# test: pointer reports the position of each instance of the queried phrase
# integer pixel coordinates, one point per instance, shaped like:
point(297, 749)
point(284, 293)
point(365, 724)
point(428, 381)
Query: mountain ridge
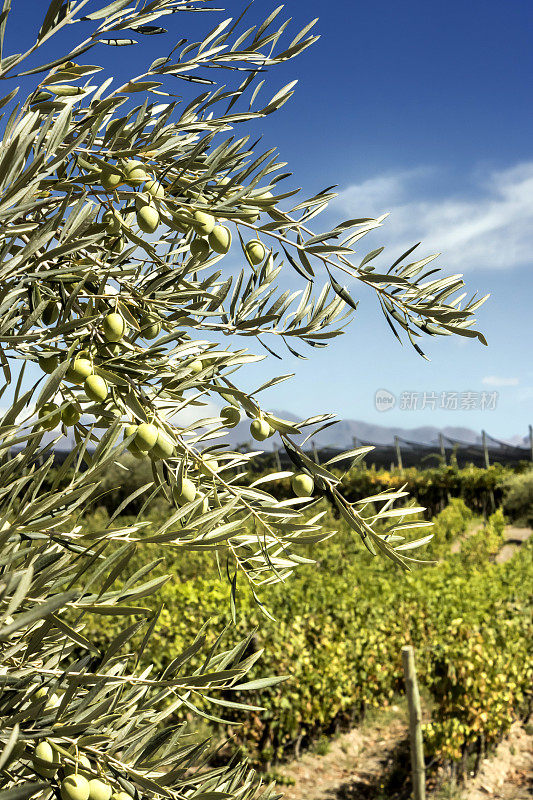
point(341, 434)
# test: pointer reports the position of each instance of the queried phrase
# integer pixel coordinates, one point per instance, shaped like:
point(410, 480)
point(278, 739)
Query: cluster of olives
point(147, 213)
point(302, 483)
point(77, 781)
point(50, 701)
point(80, 372)
point(50, 415)
point(149, 439)
point(210, 235)
point(259, 428)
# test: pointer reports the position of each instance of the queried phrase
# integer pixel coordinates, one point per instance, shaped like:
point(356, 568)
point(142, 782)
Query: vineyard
point(338, 628)
point(433, 488)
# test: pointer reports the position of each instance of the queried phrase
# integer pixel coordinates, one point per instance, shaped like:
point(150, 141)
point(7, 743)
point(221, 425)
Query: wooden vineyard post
point(398, 453)
point(487, 465)
point(418, 767)
point(442, 450)
point(485, 449)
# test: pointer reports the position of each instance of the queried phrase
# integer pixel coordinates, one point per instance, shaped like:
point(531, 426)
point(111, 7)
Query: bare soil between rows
point(372, 763)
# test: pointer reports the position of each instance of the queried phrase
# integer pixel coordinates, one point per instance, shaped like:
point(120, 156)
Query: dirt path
point(354, 763)
point(363, 764)
point(508, 773)
point(514, 538)
point(475, 528)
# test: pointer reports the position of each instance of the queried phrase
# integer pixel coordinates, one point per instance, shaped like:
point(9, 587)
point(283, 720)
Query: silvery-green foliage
point(81, 237)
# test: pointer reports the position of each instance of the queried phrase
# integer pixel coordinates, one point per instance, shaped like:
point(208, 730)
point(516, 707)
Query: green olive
point(187, 492)
point(98, 790)
point(110, 180)
point(164, 447)
point(208, 466)
point(45, 760)
point(150, 328)
point(302, 484)
point(256, 251)
point(134, 172)
point(203, 223)
point(114, 327)
point(96, 388)
point(79, 370)
point(200, 248)
point(196, 366)
point(131, 430)
point(52, 421)
point(75, 787)
point(148, 218)
point(249, 215)
point(230, 416)
point(146, 436)
point(155, 188)
point(112, 222)
point(220, 239)
point(260, 430)
point(70, 414)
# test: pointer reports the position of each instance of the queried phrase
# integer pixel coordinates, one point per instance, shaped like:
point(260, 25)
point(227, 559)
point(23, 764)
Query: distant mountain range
point(341, 435)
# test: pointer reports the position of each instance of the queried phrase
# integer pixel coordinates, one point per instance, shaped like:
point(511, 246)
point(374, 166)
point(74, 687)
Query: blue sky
point(422, 109)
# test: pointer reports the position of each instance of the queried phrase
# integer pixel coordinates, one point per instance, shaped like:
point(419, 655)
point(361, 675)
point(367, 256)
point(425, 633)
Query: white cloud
point(491, 228)
point(495, 380)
